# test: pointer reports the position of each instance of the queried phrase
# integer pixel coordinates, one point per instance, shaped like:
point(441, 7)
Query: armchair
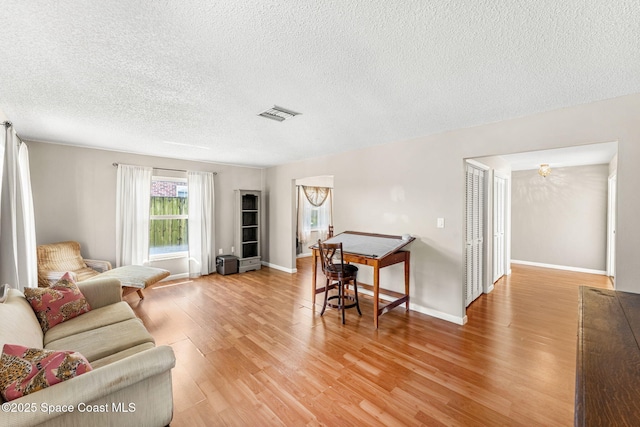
point(57, 258)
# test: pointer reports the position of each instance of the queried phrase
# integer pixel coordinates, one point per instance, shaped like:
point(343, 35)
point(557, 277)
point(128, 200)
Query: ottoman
point(136, 276)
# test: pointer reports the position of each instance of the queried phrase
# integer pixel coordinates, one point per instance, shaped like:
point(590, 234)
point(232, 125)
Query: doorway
point(313, 201)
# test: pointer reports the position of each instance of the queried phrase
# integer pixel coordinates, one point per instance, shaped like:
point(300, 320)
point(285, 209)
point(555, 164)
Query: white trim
point(175, 277)
point(168, 256)
point(438, 314)
point(169, 216)
point(278, 267)
point(477, 164)
point(420, 309)
point(560, 267)
point(304, 255)
point(612, 183)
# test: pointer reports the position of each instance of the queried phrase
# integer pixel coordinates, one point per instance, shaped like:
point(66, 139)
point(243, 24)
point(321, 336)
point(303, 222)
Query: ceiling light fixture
point(278, 113)
point(544, 170)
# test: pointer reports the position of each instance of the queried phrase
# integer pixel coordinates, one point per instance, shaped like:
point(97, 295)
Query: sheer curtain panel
point(304, 217)
point(18, 264)
point(315, 212)
point(200, 224)
point(132, 215)
point(325, 216)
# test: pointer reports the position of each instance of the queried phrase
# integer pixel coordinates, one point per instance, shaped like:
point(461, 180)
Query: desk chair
point(339, 275)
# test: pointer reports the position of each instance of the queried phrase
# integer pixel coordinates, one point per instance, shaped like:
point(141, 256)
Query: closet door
point(474, 233)
point(611, 228)
point(499, 244)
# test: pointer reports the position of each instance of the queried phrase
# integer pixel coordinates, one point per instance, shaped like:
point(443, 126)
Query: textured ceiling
point(186, 79)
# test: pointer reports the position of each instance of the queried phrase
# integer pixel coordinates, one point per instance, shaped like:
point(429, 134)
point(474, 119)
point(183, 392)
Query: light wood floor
point(252, 351)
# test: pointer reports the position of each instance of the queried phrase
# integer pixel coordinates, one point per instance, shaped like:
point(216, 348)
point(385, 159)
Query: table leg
point(407, 266)
point(376, 289)
point(314, 270)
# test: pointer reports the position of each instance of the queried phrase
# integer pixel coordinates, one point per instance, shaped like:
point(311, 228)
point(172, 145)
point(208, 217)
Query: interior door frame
point(612, 195)
point(494, 214)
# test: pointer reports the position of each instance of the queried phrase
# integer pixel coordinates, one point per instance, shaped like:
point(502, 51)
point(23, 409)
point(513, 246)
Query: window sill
point(164, 257)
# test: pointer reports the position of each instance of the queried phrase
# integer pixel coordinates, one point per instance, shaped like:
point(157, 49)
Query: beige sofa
point(130, 384)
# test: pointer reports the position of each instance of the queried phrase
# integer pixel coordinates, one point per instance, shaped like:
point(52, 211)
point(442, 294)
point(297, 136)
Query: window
point(314, 218)
point(169, 216)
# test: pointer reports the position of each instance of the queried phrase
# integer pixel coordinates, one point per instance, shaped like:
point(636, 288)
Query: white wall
point(403, 187)
point(561, 219)
point(74, 192)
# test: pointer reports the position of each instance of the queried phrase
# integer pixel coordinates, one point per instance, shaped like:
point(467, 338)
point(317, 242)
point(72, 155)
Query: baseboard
point(278, 267)
point(560, 267)
point(304, 255)
point(176, 277)
point(420, 309)
point(438, 314)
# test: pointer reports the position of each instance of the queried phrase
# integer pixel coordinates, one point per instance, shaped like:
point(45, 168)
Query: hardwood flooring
point(252, 351)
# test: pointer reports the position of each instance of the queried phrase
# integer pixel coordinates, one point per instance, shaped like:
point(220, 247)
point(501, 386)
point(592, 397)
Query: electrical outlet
point(220, 251)
point(233, 250)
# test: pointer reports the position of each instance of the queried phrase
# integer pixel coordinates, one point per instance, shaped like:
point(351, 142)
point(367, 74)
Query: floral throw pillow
point(60, 302)
point(26, 370)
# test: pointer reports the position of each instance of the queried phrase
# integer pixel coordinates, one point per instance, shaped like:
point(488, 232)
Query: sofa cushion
point(121, 355)
point(94, 319)
point(105, 341)
point(18, 322)
point(60, 302)
point(26, 370)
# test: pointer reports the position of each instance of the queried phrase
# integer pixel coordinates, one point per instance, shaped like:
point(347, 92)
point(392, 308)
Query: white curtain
point(18, 262)
point(325, 216)
point(304, 217)
point(310, 199)
point(201, 224)
point(133, 198)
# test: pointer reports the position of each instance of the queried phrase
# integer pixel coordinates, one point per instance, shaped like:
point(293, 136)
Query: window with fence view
point(169, 214)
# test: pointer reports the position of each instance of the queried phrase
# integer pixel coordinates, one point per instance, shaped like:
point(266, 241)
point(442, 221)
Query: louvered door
point(474, 233)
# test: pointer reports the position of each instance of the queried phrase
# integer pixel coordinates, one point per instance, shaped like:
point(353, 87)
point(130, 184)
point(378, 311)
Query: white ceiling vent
point(278, 113)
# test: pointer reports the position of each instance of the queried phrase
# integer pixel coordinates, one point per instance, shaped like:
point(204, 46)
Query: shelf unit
point(247, 230)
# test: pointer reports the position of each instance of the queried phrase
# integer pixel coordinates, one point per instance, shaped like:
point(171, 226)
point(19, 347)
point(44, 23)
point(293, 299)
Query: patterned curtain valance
point(316, 195)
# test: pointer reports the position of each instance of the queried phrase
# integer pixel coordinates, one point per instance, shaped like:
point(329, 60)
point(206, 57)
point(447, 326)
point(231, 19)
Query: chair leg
point(326, 295)
point(355, 291)
point(140, 294)
point(341, 298)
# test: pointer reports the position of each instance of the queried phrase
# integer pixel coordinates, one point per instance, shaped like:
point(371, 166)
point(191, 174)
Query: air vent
point(278, 113)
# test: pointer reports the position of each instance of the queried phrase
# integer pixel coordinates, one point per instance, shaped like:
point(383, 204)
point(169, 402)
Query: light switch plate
point(440, 223)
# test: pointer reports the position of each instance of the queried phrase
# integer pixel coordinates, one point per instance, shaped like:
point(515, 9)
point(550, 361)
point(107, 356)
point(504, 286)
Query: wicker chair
point(55, 259)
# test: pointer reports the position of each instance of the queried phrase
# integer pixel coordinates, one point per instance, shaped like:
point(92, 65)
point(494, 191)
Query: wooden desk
point(607, 374)
point(377, 251)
